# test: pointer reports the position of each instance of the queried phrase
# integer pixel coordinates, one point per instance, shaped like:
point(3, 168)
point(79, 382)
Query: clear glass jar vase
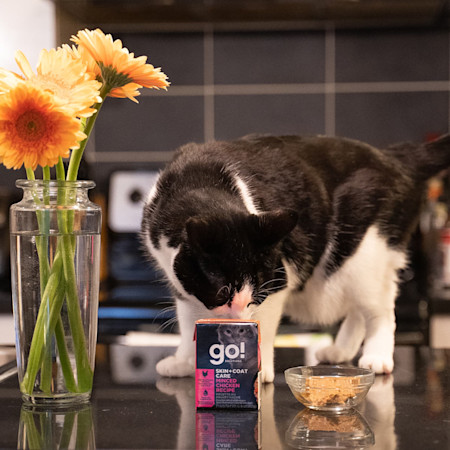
point(66, 427)
point(55, 263)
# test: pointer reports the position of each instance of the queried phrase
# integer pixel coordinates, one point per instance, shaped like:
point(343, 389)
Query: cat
point(315, 228)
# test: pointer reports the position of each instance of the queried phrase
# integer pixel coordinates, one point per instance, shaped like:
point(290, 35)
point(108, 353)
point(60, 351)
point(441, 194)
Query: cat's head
point(229, 263)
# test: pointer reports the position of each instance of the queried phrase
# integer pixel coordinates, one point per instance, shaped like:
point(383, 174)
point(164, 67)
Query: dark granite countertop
point(133, 408)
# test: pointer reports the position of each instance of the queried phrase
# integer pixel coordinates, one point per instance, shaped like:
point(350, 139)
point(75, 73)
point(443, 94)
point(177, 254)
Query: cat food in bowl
point(316, 429)
point(329, 388)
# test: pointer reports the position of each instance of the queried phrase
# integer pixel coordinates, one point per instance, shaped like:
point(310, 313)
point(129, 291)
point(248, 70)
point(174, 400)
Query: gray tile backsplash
point(392, 55)
point(390, 117)
point(283, 57)
point(380, 86)
point(158, 123)
point(179, 55)
point(238, 115)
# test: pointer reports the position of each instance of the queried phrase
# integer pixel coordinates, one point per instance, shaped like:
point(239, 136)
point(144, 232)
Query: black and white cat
point(315, 228)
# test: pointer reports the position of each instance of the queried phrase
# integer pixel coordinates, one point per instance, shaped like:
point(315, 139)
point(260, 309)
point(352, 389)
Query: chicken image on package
point(228, 364)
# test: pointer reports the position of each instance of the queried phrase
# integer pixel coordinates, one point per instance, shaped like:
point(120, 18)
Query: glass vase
point(55, 263)
point(44, 428)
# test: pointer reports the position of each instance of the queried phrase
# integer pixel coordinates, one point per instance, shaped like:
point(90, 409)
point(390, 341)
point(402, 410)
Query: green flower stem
point(56, 327)
point(84, 370)
point(84, 428)
point(44, 267)
point(47, 432)
point(30, 174)
point(66, 367)
point(67, 431)
point(46, 173)
point(65, 219)
point(49, 322)
point(42, 324)
point(34, 439)
point(46, 318)
point(60, 171)
point(46, 369)
point(77, 154)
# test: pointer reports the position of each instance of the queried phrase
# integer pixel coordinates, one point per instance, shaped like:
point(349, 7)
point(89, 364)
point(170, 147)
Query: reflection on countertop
point(56, 428)
point(132, 408)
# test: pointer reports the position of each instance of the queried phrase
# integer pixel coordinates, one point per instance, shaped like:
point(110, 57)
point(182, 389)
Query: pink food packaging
point(228, 364)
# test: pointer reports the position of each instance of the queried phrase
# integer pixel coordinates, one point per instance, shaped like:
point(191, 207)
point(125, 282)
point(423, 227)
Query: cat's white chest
point(363, 279)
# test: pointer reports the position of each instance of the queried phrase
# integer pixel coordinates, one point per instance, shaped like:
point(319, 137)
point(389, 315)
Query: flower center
point(30, 126)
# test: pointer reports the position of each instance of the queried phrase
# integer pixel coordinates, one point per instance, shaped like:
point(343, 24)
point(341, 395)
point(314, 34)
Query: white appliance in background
point(128, 191)
point(132, 280)
point(134, 357)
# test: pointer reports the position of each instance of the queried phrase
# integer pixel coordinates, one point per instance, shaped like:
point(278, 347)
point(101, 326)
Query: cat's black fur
point(313, 189)
point(312, 199)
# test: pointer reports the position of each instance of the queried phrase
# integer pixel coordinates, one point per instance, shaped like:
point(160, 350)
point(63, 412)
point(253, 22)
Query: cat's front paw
point(333, 354)
point(377, 362)
point(267, 374)
point(176, 367)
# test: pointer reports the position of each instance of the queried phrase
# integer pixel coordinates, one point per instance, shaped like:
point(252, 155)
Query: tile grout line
point(143, 156)
point(208, 84)
point(330, 75)
point(366, 87)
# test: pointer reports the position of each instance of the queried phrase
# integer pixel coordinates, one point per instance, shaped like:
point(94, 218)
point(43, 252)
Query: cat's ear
point(273, 226)
point(204, 235)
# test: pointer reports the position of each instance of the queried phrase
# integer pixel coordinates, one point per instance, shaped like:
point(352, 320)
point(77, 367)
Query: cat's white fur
point(361, 294)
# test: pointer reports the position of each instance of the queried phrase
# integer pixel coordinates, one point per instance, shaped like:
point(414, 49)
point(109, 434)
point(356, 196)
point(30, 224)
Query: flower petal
point(23, 64)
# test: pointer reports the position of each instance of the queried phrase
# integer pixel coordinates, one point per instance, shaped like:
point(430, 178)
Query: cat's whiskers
point(263, 293)
point(273, 280)
point(225, 287)
point(168, 323)
point(170, 308)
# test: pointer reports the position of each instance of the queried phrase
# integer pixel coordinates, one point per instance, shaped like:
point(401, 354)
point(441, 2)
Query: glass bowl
point(329, 388)
point(316, 429)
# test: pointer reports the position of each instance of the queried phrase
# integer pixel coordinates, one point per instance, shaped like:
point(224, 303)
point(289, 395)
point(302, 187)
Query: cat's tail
point(425, 160)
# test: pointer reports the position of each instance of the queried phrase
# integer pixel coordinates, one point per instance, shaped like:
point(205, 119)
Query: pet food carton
point(228, 364)
point(227, 429)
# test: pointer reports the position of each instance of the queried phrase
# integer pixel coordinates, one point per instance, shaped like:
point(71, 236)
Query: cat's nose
point(237, 307)
point(241, 300)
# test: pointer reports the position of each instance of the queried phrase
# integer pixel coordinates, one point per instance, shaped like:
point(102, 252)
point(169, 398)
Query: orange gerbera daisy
point(66, 78)
point(120, 70)
point(34, 130)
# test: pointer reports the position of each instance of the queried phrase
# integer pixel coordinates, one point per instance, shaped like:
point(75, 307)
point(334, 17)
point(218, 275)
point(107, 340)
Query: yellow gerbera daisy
point(66, 78)
point(8, 80)
point(34, 130)
point(82, 54)
point(120, 70)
